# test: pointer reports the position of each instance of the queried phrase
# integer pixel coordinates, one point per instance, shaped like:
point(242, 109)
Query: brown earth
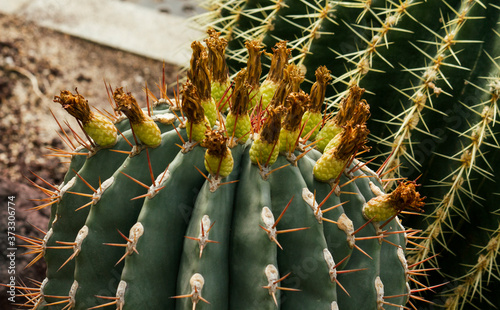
point(36, 64)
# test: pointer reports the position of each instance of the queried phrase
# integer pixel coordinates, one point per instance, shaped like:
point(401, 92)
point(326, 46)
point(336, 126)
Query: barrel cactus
point(223, 201)
point(431, 72)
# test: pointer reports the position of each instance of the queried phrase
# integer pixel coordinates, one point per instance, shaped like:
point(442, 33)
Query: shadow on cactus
point(224, 201)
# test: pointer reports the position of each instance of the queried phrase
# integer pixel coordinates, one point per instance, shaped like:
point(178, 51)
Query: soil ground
point(36, 64)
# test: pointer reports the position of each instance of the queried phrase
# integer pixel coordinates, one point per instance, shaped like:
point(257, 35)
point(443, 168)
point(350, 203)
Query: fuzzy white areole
point(46, 239)
point(379, 288)
point(102, 188)
point(159, 182)
point(72, 295)
point(268, 220)
point(65, 187)
point(345, 224)
point(309, 199)
point(120, 294)
point(204, 231)
point(332, 271)
point(334, 306)
point(197, 282)
point(165, 118)
point(272, 275)
point(136, 231)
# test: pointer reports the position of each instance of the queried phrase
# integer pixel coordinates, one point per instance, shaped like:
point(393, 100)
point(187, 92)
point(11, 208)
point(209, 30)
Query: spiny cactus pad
point(182, 214)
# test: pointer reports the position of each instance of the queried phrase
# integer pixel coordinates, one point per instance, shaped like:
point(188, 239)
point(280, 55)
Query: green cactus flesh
point(223, 235)
point(197, 221)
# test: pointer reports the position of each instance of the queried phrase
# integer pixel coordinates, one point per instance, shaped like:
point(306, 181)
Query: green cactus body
point(332, 211)
point(212, 262)
point(103, 221)
point(77, 161)
point(367, 293)
point(262, 230)
point(251, 253)
point(269, 231)
point(66, 217)
point(300, 249)
point(164, 226)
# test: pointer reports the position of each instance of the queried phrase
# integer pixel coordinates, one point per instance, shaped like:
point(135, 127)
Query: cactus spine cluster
point(190, 207)
point(431, 72)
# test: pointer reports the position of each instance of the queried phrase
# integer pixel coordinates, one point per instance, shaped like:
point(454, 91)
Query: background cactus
point(203, 208)
point(431, 74)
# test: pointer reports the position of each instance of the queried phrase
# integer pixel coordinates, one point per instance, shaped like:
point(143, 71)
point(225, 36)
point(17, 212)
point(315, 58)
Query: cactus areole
point(183, 210)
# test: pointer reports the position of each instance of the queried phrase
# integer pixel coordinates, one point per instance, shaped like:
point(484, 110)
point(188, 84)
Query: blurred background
point(51, 45)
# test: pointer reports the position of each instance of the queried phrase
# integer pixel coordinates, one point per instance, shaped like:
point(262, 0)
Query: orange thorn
point(86, 183)
point(284, 231)
point(64, 131)
point(283, 212)
point(362, 226)
point(276, 169)
point(84, 206)
point(126, 140)
point(136, 181)
point(207, 178)
point(357, 247)
point(335, 206)
point(328, 220)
